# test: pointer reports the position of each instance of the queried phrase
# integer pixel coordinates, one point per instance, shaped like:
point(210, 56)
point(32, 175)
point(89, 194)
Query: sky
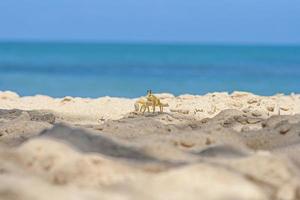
point(187, 21)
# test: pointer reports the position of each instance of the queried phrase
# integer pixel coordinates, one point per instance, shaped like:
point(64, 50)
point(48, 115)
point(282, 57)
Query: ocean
point(129, 70)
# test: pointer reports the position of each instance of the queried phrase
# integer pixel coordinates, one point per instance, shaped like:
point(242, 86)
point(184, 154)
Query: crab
point(150, 100)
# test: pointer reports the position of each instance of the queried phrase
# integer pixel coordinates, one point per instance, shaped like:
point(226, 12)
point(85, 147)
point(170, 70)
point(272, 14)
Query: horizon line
point(146, 42)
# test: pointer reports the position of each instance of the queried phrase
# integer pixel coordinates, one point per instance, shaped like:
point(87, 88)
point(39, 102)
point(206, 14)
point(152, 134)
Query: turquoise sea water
point(92, 70)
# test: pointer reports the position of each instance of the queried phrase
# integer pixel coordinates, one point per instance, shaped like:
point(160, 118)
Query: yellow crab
point(150, 100)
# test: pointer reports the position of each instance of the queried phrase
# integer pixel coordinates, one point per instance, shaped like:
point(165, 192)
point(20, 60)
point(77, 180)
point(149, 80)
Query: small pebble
point(245, 128)
point(251, 101)
point(246, 110)
point(187, 144)
point(284, 108)
point(256, 113)
point(284, 129)
point(241, 119)
point(205, 120)
point(208, 141)
point(270, 108)
point(253, 120)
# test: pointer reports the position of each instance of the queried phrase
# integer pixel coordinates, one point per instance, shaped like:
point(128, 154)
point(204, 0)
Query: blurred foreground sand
point(218, 146)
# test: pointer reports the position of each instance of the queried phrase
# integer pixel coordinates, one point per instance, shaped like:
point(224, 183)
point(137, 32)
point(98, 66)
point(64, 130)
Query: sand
point(216, 146)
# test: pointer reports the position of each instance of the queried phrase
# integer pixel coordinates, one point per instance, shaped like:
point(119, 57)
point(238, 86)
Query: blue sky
point(201, 21)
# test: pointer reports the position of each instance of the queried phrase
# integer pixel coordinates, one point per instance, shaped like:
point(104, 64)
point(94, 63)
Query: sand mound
point(224, 151)
point(16, 126)
point(40, 163)
point(78, 110)
point(277, 132)
point(86, 141)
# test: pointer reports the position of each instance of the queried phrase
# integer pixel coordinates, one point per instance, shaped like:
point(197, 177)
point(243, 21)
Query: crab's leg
point(148, 109)
point(153, 105)
point(141, 108)
point(161, 108)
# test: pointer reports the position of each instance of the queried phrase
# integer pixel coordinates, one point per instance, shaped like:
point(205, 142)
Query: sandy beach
point(217, 146)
